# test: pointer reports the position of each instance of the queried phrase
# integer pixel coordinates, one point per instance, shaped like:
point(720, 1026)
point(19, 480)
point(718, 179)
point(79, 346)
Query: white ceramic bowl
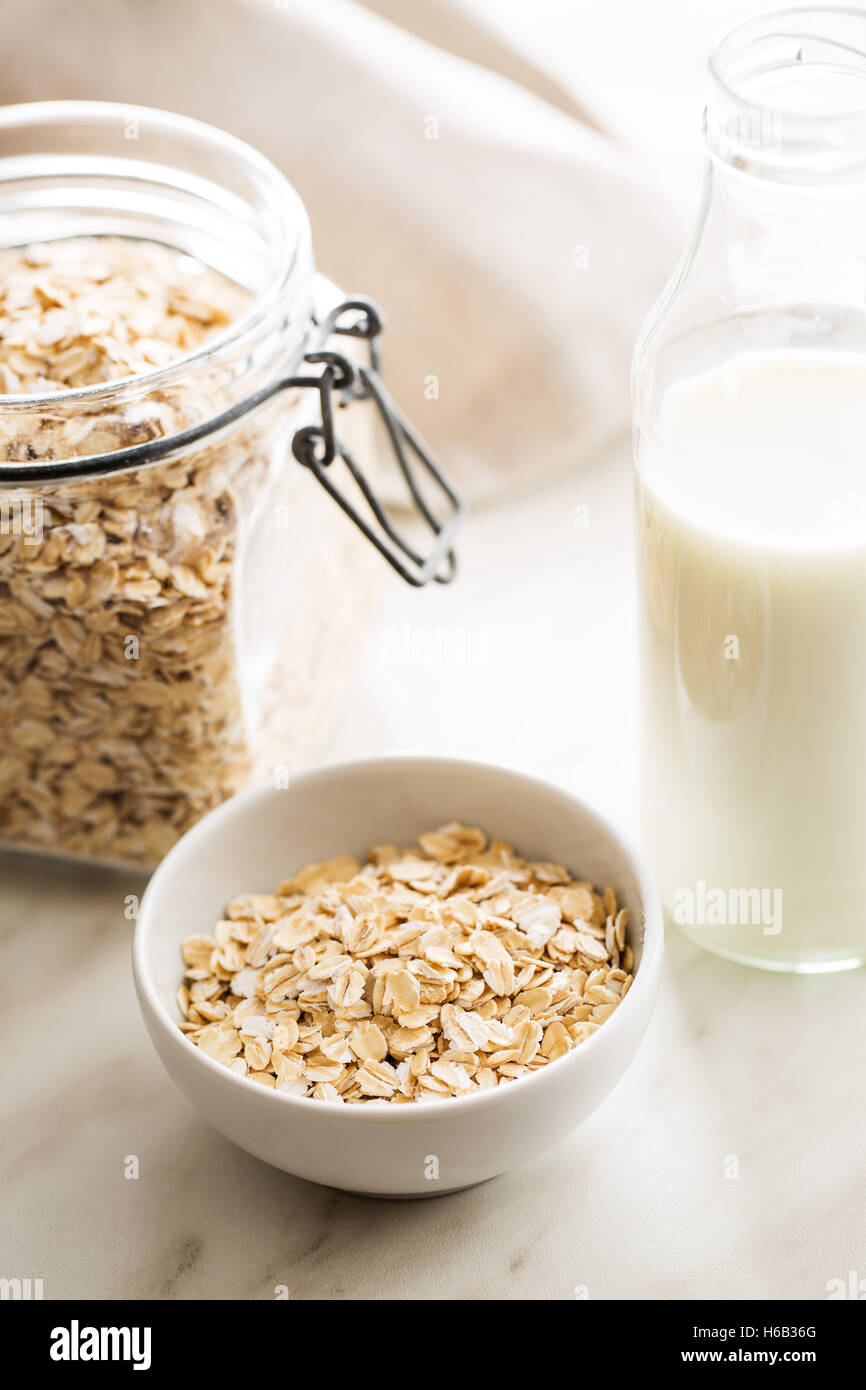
point(256, 839)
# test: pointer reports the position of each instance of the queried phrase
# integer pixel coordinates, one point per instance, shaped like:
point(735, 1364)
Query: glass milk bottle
point(750, 439)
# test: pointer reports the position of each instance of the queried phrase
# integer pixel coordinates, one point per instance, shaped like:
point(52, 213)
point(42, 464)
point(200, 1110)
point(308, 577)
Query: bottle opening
point(788, 96)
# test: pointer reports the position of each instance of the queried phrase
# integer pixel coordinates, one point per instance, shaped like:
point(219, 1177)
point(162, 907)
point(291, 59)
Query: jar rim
point(284, 200)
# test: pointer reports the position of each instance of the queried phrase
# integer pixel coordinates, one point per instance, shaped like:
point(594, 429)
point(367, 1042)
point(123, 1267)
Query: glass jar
point(750, 445)
point(178, 600)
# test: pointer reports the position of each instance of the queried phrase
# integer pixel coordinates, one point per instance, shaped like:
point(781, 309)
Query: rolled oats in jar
point(178, 600)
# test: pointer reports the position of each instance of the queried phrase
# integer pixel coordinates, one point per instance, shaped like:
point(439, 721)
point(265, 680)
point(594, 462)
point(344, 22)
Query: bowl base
point(425, 1196)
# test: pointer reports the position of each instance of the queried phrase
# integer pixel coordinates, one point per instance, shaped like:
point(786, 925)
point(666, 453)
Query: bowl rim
point(645, 978)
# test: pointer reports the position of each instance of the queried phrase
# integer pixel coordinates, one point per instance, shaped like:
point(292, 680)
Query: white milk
point(751, 500)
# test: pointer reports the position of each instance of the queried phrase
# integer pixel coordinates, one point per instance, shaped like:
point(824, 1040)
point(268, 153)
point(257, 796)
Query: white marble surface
point(528, 661)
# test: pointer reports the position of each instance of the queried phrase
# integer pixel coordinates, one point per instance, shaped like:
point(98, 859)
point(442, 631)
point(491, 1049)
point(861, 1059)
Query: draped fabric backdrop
point(515, 242)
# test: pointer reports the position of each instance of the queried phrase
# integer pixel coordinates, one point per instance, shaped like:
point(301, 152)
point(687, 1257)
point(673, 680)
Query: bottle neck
point(783, 243)
point(831, 204)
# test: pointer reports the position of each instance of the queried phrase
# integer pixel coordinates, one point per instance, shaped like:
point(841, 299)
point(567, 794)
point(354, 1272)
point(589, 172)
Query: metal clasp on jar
point(317, 446)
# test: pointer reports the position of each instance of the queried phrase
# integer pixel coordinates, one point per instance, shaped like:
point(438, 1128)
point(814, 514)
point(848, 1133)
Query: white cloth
point(514, 246)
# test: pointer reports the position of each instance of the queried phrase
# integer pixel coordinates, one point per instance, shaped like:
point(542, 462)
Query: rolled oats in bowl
point(438, 971)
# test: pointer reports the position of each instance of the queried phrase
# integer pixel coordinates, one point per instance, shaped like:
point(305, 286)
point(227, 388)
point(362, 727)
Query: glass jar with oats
point(179, 599)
